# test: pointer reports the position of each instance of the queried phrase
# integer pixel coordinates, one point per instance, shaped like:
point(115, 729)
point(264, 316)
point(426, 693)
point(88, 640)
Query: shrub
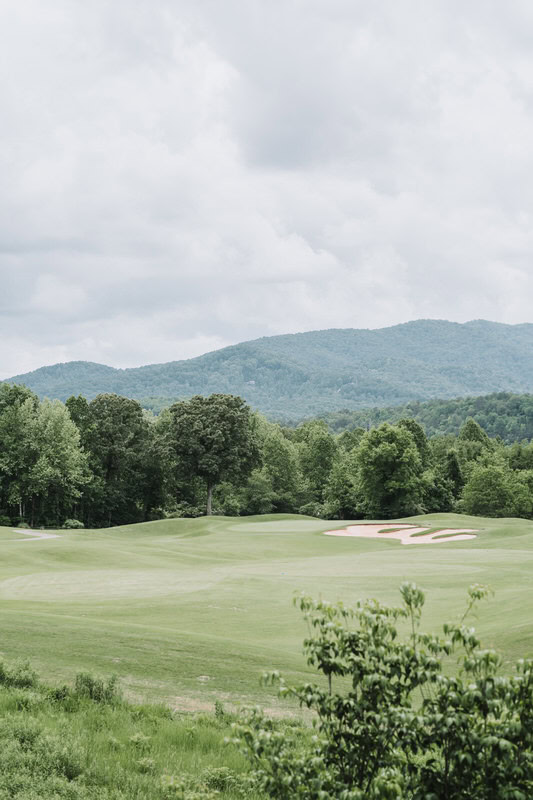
point(5, 521)
point(185, 510)
point(145, 765)
point(73, 523)
point(186, 788)
point(96, 689)
point(20, 674)
point(399, 725)
point(26, 732)
point(140, 741)
point(312, 509)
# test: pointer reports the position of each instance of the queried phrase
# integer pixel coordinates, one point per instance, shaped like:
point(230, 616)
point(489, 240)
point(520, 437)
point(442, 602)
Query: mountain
point(303, 374)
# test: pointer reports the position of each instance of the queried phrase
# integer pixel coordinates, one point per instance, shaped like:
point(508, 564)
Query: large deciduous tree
point(214, 438)
point(18, 411)
point(60, 468)
point(421, 440)
point(497, 491)
point(117, 440)
point(390, 472)
point(318, 452)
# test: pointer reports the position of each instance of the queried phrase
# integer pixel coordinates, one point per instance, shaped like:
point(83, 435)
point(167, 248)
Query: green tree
point(341, 500)
point(437, 492)
point(59, 472)
point(349, 440)
point(471, 431)
point(156, 470)
point(420, 439)
point(390, 473)
point(18, 412)
point(453, 473)
point(258, 495)
point(117, 441)
point(214, 438)
point(281, 464)
point(318, 451)
point(496, 491)
point(520, 456)
point(80, 413)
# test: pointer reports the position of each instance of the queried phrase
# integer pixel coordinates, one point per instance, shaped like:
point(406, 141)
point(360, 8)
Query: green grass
point(189, 611)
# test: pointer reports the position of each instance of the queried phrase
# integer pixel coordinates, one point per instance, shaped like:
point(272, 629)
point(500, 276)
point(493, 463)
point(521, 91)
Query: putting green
point(192, 610)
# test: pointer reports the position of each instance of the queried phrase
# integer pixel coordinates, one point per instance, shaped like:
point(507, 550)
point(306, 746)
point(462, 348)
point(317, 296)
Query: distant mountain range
point(305, 374)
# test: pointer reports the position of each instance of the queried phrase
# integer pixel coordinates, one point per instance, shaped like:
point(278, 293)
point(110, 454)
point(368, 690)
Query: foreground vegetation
point(83, 742)
point(395, 719)
point(392, 723)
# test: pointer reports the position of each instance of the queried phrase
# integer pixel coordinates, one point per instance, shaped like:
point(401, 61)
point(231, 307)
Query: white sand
point(35, 535)
point(405, 535)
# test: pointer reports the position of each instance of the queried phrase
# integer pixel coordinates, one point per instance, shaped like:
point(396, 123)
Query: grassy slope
point(187, 611)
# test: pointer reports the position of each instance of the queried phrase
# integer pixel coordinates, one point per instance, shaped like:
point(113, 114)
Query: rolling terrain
point(304, 374)
point(188, 611)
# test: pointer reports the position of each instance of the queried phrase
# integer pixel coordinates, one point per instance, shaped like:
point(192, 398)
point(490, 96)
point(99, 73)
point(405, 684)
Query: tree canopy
point(109, 462)
point(214, 438)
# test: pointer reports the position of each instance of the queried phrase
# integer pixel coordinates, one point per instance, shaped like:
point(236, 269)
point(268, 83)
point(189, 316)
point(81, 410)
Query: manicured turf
point(188, 611)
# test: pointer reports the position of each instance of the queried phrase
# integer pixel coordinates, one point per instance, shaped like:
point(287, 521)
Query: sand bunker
point(405, 533)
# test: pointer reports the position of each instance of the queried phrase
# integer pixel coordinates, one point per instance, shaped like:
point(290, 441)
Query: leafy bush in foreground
point(399, 725)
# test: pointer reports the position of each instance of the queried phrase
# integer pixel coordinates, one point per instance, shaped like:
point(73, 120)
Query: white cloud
point(178, 176)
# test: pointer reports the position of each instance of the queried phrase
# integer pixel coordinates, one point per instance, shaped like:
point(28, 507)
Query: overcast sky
point(178, 175)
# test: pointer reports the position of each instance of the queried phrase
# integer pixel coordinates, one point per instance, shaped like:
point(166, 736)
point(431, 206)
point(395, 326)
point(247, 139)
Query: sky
point(180, 175)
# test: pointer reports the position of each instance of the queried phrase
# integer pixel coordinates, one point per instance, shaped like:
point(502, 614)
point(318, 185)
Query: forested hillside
point(509, 416)
point(306, 374)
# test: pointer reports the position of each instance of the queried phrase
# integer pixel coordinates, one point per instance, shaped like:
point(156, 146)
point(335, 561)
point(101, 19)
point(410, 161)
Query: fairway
point(193, 610)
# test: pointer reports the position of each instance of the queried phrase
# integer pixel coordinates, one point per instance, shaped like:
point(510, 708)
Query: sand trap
point(405, 534)
point(35, 535)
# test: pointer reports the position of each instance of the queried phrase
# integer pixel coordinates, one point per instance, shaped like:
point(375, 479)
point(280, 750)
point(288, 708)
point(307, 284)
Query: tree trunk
point(209, 509)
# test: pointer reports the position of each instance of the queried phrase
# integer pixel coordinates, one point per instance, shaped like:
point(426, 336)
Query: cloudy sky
point(178, 175)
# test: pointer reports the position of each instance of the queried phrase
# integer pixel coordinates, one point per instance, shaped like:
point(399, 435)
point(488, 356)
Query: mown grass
point(61, 743)
point(187, 612)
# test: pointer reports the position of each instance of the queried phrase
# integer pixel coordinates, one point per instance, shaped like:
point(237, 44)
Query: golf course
point(190, 611)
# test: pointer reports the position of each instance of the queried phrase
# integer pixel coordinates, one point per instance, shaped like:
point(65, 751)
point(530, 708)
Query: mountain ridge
point(295, 375)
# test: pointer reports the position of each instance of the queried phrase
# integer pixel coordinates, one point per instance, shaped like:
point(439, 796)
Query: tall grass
point(85, 743)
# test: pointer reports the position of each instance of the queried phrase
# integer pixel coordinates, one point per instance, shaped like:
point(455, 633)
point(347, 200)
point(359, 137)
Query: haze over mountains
point(298, 375)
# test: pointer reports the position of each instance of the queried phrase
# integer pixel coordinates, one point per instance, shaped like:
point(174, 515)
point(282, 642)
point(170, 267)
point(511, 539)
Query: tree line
point(109, 462)
point(503, 414)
